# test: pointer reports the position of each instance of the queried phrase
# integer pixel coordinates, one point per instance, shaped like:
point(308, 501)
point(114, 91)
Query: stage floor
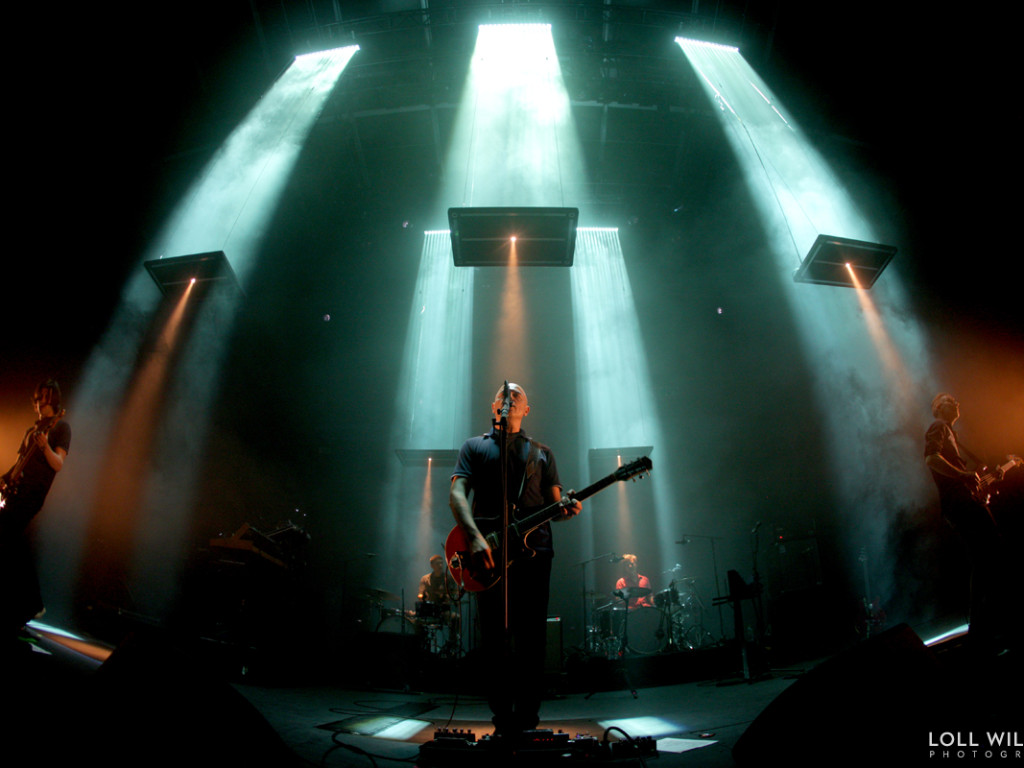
point(150, 700)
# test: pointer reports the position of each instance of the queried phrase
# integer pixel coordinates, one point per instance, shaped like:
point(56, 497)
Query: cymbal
point(629, 593)
point(372, 593)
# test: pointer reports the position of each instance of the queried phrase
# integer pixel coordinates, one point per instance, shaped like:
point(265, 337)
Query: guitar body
point(457, 545)
point(456, 554)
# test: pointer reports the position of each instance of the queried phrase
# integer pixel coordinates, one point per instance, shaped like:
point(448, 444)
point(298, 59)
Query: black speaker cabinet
point(877, 701)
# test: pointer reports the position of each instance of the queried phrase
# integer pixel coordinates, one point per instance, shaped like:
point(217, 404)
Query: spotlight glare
point(346, 52)
point(645, 726)
point(684, 41)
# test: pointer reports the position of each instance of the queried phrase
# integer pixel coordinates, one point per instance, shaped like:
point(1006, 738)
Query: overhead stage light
point(539, 237)
point(625, 453)
point(844, 262)
point(175, 273)
point(428, 457)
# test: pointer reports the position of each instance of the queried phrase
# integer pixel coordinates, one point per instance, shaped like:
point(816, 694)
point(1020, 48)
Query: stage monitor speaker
point(875, 702)
point(153, 702)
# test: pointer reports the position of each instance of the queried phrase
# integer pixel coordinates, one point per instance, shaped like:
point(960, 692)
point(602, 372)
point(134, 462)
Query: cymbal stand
point(687, 537)
point(582, 565)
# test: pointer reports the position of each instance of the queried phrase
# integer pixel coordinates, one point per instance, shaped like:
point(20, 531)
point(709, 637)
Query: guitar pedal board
point(540, 747)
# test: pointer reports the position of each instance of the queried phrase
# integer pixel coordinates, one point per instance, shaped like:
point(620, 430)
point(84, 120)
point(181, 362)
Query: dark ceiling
point(118, 111)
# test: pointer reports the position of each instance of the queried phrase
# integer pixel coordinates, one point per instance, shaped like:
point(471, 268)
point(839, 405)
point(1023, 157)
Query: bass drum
point(395, 622)
point(646, 630)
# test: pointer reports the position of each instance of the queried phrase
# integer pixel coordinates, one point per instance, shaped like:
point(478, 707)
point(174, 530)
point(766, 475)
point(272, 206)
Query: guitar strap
point(965, 451)
point(532, 460)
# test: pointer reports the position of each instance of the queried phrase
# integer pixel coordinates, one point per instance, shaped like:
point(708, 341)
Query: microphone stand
point(502, 425)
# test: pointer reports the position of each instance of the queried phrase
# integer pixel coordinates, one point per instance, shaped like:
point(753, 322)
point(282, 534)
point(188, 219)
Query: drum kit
point(675, 621)
point(437, 626)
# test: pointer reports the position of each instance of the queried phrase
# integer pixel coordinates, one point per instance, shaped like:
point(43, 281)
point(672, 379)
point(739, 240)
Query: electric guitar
point(986, 479)
point(9, 481)
point(457, 545)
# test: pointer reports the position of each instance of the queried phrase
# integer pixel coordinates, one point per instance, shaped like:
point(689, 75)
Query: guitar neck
point(991, 477)
point(593, 488)
point(536, 519)
point(553, 510)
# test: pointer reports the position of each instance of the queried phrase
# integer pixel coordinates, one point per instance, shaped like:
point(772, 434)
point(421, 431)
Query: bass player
point(24, 488)
point(963, 501)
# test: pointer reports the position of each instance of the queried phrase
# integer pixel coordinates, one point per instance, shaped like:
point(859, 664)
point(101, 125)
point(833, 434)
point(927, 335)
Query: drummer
point(437, 587)
point(437, 607)
point(631, 578)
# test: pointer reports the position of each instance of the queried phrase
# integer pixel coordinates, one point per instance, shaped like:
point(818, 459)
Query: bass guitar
point(10, 479)
point(457, 545)
point(986, 479)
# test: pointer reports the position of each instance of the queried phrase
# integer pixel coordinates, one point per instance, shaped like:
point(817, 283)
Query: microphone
point(506, 403)
point(615, 558)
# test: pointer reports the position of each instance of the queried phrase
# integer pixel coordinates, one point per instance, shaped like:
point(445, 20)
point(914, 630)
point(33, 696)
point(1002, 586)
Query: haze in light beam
point(873, 396)
point(610, 350)
point(513, 142)
point(431, 405)
point(227, 208)
point(230, 205)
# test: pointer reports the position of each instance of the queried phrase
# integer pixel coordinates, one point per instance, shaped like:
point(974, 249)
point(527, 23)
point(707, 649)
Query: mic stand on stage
point(502, 425)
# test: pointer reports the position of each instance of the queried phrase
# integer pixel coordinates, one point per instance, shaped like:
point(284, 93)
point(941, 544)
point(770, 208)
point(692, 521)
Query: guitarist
point(24, 488)
point(515, 682)
point(963, 507)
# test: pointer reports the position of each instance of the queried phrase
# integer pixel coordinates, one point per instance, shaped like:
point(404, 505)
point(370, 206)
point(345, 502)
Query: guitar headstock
point(636, 468)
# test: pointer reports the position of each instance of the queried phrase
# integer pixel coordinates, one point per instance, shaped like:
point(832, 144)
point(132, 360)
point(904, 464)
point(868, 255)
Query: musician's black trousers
point(993, 621)
point(515, 665)
point(20, 599)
